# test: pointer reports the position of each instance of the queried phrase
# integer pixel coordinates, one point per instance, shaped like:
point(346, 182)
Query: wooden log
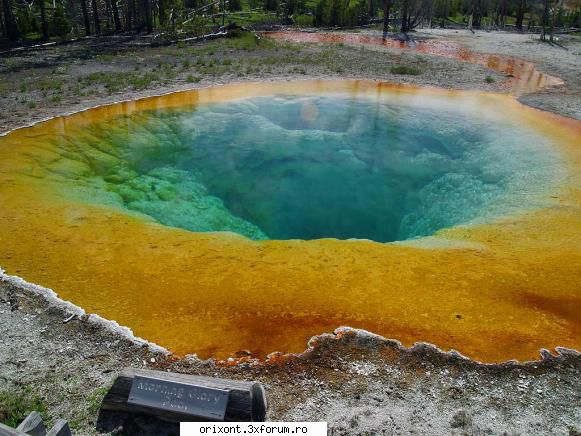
point(32, 425)
point(9, 431)
point(60, 428)
point(246, 400)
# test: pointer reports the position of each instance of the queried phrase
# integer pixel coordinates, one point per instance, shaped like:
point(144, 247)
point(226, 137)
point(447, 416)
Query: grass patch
point(95, 399)
point(8, 63)
point(104, 57)
point(90, 409)
point(16, 404)
point(489, 79)
point(48, 84)
point(114, 81)
point(248, 41)
point(404, 69)
point(192, 79)
point(142, 81)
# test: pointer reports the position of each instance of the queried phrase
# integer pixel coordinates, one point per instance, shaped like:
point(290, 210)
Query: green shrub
point(403, 69)
point(304, 20)
point(489, 79)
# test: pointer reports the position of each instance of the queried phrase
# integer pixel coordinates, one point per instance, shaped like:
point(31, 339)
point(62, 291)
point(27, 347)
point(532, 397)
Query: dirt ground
point(359, 383)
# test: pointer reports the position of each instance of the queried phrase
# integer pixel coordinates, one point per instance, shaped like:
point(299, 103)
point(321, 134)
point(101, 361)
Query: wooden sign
point(195, 400)
point(163, 399)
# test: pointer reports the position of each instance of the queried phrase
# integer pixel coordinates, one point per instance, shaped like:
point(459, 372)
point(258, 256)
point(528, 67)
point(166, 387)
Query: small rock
point(461, 420)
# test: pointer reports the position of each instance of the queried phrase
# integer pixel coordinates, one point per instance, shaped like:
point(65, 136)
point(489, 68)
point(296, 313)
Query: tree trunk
point(161, 7)
point(386, 10)
point(404, 16)
point(556, 6)
point(445, 14)
point(520, 14)
point(129, 18)
point(108, 13)
point(44, 23)
point(116, 19)
point(2, 26)
point(545, 20)
point(148, 20)
point(12, 31)
point(86, 18)
point(96, 20)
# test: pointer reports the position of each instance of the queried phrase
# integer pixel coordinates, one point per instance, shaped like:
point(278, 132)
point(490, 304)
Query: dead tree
point(556, 7)
point(545, 20)
point(475, 14)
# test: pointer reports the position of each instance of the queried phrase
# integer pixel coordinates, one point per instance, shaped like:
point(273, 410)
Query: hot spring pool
point(255, 216)
point(310, 167)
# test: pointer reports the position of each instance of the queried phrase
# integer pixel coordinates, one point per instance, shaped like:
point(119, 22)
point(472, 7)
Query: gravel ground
point(562, 60)
point(359, 383)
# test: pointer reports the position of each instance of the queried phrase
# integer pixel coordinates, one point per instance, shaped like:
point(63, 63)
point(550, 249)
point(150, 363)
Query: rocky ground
point(360, 384)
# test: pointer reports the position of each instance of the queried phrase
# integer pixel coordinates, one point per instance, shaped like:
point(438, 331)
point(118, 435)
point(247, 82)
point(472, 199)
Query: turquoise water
point(313, 167)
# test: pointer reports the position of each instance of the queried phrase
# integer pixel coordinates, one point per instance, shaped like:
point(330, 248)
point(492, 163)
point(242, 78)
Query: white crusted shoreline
point(52, 297)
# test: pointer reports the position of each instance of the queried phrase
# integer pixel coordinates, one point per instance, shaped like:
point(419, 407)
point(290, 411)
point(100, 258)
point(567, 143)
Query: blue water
point(318, 167)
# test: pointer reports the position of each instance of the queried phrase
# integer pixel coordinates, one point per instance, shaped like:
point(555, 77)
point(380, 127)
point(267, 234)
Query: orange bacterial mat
point(494, 291)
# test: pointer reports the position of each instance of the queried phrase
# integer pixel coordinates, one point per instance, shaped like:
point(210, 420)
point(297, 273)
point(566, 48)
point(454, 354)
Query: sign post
point(162, 399)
